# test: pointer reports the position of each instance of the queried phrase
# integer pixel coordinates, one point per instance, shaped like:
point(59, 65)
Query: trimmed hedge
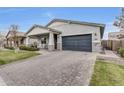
point(12, 48)
point(28, 48)
point(121, 52)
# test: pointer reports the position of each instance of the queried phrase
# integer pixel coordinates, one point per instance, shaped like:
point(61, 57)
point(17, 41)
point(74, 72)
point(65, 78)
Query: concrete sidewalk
point(110, 56)
point(2, 83)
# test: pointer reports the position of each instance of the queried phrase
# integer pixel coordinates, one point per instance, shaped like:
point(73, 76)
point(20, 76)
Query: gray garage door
point(77, 42)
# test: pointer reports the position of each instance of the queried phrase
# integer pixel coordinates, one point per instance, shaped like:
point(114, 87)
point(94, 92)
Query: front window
point(43, 40)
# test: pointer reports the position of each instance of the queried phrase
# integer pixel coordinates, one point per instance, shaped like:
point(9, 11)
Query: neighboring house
point(20, 36)
point(115, 40)
point(2, 40)
point(67, 35)
point(116, 35)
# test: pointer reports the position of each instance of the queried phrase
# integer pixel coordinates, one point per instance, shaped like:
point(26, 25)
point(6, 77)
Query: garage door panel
point(77, 42)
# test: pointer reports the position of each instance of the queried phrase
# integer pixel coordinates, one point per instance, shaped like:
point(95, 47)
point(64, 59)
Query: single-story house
point(15, 39)
point(62, 34)
point(116, 35)
point(2, 40)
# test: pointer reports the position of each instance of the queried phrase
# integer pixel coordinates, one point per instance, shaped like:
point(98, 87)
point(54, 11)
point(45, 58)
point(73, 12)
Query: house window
point(43, 40)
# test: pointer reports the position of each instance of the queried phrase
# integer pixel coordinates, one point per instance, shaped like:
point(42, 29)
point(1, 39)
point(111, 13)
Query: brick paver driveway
point(55, 68)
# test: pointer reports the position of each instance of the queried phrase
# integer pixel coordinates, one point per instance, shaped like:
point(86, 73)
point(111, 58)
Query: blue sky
point(26, 17)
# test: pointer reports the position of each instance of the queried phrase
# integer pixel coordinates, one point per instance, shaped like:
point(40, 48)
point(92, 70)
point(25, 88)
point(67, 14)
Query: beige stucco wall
point(10, 35)
point(76, 29)
point(57, 24)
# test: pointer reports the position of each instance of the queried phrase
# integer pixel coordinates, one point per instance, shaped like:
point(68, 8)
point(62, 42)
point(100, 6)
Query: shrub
point(118, 50)
point(28, 48)
point(12, 48)
point(121, 52)
point(34, 45)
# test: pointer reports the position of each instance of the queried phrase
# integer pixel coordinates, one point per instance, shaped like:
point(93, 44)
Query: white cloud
point(109, 28)
point(49, 15)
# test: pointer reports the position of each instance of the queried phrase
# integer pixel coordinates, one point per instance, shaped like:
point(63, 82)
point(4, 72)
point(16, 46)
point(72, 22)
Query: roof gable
point(102, 26)
point(40, 30)
point(35, 30)
point(8, 34)
point(20, 34)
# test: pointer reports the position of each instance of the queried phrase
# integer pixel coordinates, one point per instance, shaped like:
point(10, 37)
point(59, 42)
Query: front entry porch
point(50, 41)
point(11, 42)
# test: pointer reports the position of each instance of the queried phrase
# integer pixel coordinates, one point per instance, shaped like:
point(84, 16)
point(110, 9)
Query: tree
point(14, 31)
point(120, 21)
point(1, 40)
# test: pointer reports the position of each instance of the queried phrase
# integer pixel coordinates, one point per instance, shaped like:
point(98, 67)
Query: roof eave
point(76, 22)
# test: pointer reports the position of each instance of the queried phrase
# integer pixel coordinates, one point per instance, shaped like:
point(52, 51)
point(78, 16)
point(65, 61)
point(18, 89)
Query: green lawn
point(10, 56)
point(107, 74)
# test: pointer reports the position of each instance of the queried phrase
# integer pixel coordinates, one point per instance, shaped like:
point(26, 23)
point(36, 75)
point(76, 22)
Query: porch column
point(10, 43)
point(51, 44)
point(59, 42)
point(13, 43)
point(39, 42)
point(19, 41)
point(7, 42)
point(27, 41)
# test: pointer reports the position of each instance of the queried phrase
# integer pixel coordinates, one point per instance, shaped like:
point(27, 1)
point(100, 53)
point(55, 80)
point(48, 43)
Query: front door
point(55, 40)
point(43, 42)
